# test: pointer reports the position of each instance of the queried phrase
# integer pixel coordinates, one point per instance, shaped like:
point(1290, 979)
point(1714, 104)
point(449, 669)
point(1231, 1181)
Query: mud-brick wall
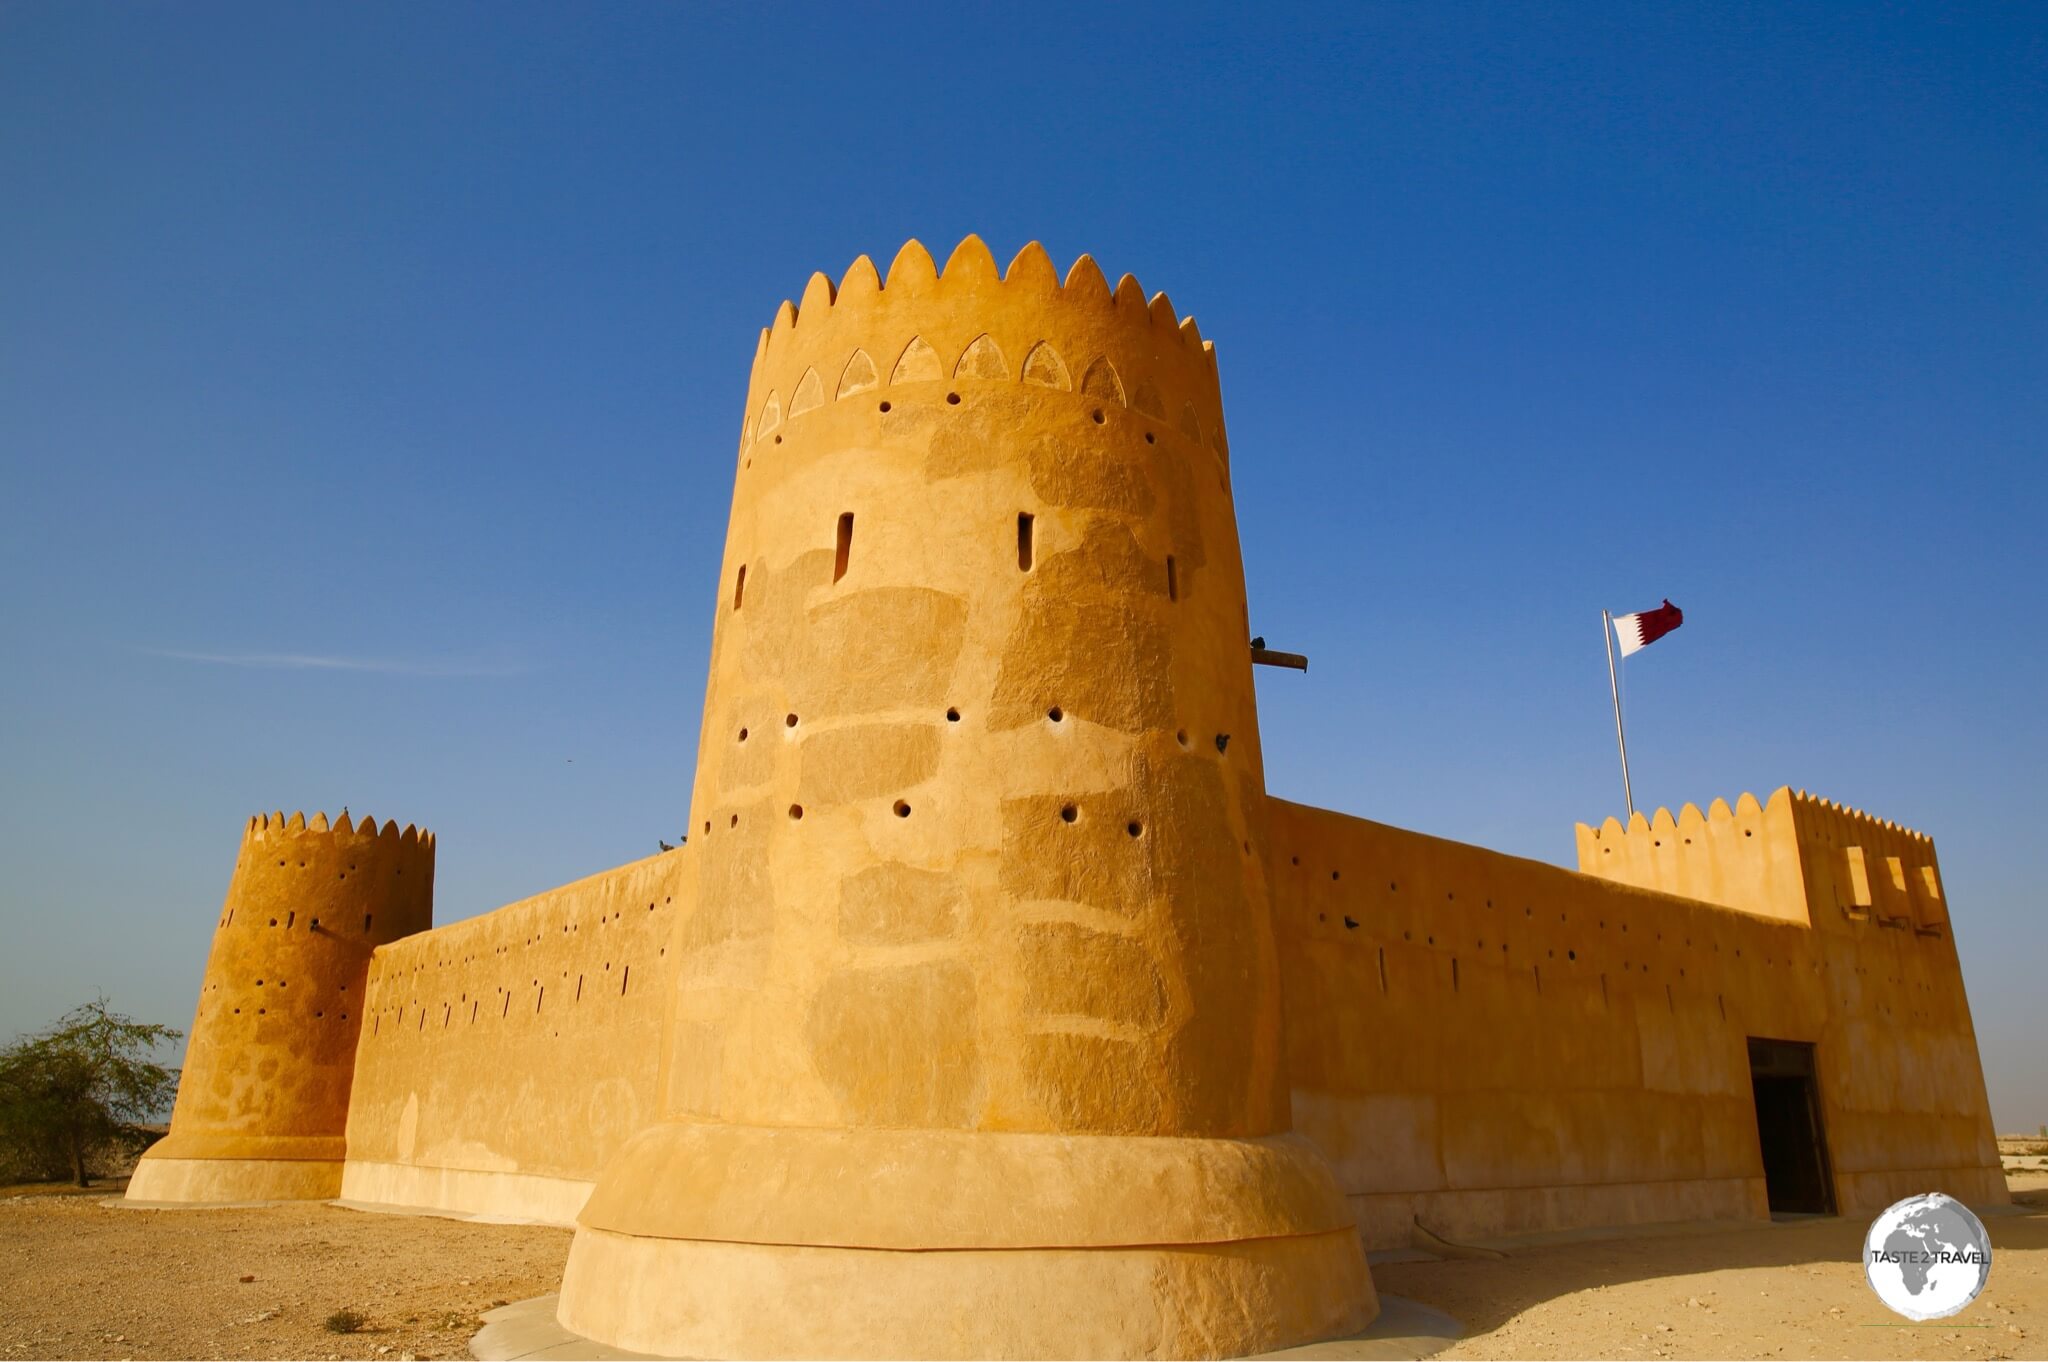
point(1499, 1046)
point(504, 1058)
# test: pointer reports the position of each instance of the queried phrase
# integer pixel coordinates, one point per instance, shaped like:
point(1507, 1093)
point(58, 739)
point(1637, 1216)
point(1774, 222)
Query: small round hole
point(902, 809)
point(952, 399)
point(1068, 813)
point(1055, 714)
point(743, 735)
point(1134, 827)
point(1097, 415)
point(1150, 438)
point(952, 716)
point(884, 406)
point(778, 439)
point(795, 811)
point(735, 821)
point(1181, 737)
point(789, 721)
point(707, 825)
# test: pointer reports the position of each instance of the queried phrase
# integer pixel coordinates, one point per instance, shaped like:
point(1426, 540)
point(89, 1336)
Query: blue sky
point(416, 337)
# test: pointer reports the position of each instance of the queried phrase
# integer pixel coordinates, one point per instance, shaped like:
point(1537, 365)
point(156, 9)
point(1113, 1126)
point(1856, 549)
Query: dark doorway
point(1788, 1126)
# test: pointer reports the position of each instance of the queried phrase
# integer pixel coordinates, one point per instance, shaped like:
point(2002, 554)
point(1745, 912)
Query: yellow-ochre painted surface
point(993, 1007)
point(507, 1057)
point(1498, 1045)
point(271, 1062)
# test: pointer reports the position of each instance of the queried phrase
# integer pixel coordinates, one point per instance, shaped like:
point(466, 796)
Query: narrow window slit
point(845, 545)
point(1172, 580)
point(1383, 969)
point(739, 587)
point(1023, 541)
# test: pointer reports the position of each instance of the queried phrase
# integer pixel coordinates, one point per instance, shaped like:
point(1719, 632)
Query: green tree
point(79, 1085)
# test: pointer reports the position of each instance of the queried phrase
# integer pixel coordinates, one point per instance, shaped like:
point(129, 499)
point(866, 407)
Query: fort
point(994, 1007)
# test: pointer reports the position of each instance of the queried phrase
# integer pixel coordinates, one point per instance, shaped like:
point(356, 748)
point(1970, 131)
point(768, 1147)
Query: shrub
point(346, 1321)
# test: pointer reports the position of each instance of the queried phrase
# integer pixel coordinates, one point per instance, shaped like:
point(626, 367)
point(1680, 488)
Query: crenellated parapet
point(262, 1105)
point(1867, 868)
point(1113, 348)
point(1794, 856)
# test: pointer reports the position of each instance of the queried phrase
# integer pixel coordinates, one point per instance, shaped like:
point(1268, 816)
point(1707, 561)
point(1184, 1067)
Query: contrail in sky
point(321, 662)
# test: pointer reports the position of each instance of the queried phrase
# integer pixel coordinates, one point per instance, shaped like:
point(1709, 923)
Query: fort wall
point(1496, 1045)
point(994, 1007)
point(505, 1058)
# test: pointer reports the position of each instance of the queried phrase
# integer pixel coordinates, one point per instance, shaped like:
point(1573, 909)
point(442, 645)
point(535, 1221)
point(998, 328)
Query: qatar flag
point(1640, 630)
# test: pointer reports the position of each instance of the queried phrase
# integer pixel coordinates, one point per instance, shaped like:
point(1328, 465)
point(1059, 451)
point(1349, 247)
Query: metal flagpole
point(1614, 686)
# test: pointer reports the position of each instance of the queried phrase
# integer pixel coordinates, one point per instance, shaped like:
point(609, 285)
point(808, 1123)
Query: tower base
point(727, 1241)
point(213, 1171)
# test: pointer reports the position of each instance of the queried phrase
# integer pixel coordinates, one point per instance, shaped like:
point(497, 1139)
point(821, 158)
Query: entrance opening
point(1788, 1127)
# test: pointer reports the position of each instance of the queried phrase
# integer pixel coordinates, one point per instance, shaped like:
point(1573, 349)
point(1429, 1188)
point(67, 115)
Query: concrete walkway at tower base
point(526, 1331)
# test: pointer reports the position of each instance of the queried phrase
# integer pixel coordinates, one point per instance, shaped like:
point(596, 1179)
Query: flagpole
point(1614, 686)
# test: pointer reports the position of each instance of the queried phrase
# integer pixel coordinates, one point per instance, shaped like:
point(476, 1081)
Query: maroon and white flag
point(1640, 630)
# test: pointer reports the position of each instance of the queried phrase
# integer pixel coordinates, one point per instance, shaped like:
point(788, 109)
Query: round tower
point(981, 963)
point(263, 1100)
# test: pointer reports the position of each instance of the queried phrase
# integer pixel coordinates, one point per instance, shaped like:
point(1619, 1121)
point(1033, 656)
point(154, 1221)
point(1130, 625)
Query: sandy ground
point(79, 1278)
point(1787, 1290)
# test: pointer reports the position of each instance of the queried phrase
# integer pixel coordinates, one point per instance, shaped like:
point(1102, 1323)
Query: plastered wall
point(1497, 1045)
point(504, 1058)
point(1492, 1044)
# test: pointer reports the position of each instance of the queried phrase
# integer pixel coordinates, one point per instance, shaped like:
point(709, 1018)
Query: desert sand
point(82, 1278)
